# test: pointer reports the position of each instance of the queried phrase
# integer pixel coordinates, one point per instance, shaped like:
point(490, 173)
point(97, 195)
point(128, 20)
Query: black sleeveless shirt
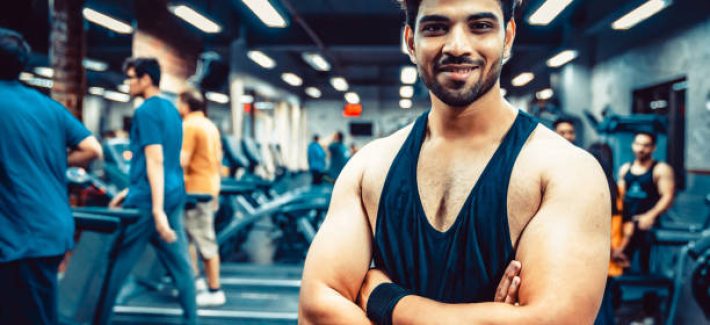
point(465, 263)
point(641, 193)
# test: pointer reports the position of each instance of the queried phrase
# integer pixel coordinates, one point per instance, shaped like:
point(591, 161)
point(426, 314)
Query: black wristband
point(381, 302)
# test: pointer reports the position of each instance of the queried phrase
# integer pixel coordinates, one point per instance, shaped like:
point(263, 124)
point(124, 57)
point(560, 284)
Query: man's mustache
point(458, 60)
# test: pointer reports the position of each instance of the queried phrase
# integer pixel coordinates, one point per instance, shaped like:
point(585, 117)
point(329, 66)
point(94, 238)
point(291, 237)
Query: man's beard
point(462, 97)
point(643, 157)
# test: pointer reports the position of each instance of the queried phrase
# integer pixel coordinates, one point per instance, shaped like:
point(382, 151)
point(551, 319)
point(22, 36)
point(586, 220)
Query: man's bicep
point(149, 127)
point(154, 152)
point(666, 181)
point(564, 249)
point(340, 254)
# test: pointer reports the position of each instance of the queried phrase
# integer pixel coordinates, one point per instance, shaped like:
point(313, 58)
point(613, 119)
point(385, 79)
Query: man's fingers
point(512, 296)
point(514, 268)
point(511, 272)
point(169, 236)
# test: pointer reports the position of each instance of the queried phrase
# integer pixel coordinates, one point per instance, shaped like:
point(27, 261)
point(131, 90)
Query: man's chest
point(442, 192)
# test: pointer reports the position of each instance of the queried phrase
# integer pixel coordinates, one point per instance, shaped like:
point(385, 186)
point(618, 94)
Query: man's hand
point(163, 227)
point(645, 221)
point(618, 256)
point(507, 291)
point(118, 199)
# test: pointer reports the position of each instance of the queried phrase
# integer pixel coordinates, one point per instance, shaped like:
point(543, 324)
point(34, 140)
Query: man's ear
point(510, 29)
point(409, 41)
point(145, 80)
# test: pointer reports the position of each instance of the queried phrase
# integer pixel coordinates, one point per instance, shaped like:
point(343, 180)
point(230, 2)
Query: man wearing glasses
point(156, 189)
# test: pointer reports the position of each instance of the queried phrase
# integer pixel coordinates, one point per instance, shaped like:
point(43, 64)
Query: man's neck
point(150, 92)
point(646, 163)
point(195, 114)
point(486, 116)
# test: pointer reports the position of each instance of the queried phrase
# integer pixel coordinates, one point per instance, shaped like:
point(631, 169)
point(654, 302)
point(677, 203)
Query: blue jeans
point(129, 249)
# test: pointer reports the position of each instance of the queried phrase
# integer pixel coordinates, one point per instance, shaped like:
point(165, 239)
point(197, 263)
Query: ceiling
point(361, 38)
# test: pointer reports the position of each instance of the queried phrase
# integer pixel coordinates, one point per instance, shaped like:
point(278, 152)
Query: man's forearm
point(80, 158)
point(662, 205)
point(326, 306)
point(156, 178)
point(626, 233)
point(419, 310)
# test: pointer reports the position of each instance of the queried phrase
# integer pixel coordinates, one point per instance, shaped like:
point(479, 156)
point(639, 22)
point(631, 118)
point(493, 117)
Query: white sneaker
point(206, 298)
point(200, 285)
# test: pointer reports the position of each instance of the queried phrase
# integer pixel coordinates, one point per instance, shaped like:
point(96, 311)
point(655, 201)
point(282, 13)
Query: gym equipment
point(117, 161)
point(618, 132)
point(91, 263)
point(696, 257)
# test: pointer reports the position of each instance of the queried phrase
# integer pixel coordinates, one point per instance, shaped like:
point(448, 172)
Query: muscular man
point(647, 187)
point(445, 204)
point(565, 128)
point(39, 138)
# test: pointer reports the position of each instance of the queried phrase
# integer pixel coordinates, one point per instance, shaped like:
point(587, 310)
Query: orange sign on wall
point(352, 110)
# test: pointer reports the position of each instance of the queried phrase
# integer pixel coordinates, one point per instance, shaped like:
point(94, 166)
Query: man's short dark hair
point(194, 100)
point(143, 66)
point(411, 10)
point(648, 134)
point(339, 135)
point(14, 54)
point(562, 120)
point(316, 137)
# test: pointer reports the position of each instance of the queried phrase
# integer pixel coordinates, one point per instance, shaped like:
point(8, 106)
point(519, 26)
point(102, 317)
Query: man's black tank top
point(465, 263)
point(641, 193)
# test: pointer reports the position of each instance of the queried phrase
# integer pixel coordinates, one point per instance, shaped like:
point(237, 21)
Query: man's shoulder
point(386, 146)
point(191, 123)
point(662, 168)
point(13, 91)
point(553, 156)
point(149, 105)
point(375, 158)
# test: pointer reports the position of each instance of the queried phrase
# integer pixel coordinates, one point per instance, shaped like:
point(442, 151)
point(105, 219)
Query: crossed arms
point(564, 252)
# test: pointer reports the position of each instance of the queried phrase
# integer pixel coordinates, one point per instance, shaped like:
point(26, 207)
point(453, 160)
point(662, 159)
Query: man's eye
point(481, 26)
point(433, 28)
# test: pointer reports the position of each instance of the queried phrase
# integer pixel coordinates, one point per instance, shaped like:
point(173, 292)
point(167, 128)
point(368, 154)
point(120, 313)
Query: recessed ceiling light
point(107, 21)
point(261, 59)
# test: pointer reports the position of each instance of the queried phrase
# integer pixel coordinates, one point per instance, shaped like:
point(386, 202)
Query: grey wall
point(326, 117)
point(611, 82)
point(686, 54)
point(575, 95)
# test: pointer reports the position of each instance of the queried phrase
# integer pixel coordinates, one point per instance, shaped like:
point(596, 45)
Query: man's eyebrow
point(433, 18)
point(442, 18)
point(483, 15)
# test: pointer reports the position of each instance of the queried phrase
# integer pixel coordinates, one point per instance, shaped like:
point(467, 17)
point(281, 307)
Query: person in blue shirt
point(156, 189)
point(339, 155)
point(316, 160)
point(36, 224)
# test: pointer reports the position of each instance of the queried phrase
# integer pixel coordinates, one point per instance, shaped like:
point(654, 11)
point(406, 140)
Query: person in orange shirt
point(619, 235)
point(201, 158)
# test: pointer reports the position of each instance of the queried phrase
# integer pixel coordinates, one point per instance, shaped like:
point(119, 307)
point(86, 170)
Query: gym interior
point(276, 73)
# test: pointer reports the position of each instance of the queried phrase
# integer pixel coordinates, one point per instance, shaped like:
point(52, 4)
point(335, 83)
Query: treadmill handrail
point(127, 216)
point(96, 223)
point(263, 210)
